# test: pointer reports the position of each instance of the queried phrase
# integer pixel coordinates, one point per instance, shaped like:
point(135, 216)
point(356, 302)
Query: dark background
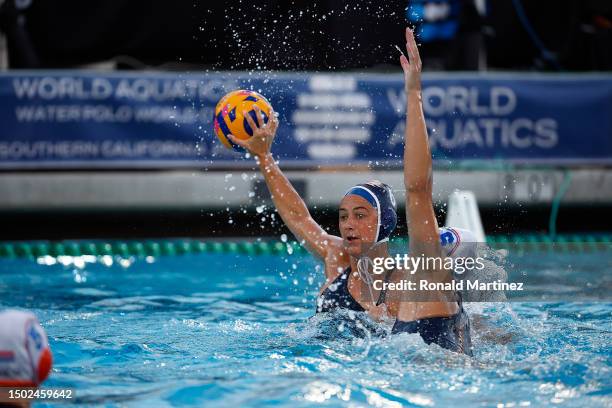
point(299, 34)
point(572, 35)
point(163, 223)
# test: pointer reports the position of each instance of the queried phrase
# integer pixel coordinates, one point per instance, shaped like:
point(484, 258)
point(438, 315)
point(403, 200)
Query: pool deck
point(195, 189)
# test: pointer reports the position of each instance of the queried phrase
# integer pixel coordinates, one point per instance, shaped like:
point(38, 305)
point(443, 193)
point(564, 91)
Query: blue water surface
point(221, 330)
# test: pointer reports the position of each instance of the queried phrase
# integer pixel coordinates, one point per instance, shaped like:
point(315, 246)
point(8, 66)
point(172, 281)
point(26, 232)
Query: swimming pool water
point(234, 330)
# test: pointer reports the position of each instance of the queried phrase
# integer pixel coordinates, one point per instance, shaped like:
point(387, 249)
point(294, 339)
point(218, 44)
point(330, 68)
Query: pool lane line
point(157, 248)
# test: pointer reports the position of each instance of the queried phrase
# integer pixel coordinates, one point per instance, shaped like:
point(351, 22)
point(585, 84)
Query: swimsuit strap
point(383, 293)
point(345, 276)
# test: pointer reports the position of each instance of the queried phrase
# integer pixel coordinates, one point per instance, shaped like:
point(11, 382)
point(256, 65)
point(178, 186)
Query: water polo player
point(25, 356)
point(367, 217)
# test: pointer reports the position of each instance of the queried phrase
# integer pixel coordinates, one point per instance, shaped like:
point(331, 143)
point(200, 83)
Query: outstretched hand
point(263, 133)
point(411, 65)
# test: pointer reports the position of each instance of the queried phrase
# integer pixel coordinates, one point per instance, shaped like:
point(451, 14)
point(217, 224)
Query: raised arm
point(422, 223)
point(288, 202)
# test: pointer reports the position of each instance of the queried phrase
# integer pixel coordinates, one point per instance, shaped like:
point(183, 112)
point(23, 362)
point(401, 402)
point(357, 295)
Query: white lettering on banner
point(486, 133)
point(146, 148)
point(332, 118)
point(332, 83)
point(159, 90)
point(471, 134)
point(144, 89)
point(521, 140)
point(307, 117)
point(520, 133)
point(150, 89)
point(345, 100)
point(345, 134)
point(73, 113)
point(452, 100)
point(166, 114)
point(438, 101)
point(111, 114)
point(331, 151)
point(546, 129)
point(49, 88)
point(498, 95)
point(24, 88)
point(108, 149)
point(490, 129)
point(47, 149)
point(137, 89)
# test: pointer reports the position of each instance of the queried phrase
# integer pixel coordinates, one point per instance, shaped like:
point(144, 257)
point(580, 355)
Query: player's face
point(358, 222)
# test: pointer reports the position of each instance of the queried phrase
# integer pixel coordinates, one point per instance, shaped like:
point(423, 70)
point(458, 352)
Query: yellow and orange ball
point(230, 120)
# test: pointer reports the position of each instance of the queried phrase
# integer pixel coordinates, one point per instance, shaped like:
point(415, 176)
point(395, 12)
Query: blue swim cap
point(380, 196)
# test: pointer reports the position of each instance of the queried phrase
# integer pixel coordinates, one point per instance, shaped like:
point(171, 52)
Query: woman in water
point(367, 217)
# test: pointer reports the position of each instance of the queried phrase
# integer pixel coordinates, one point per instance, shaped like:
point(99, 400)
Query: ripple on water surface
point(222, 330)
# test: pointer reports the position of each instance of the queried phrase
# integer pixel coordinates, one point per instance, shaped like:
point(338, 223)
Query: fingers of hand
point(258, 116)
point(409, 34)
point(411, 47)
point(273, 121)
point(250, 121)
point(404, 62)
point(237, 141)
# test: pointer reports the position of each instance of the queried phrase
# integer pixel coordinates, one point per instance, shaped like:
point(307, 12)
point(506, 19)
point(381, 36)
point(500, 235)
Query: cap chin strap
point(362, 269)
point(363, 264)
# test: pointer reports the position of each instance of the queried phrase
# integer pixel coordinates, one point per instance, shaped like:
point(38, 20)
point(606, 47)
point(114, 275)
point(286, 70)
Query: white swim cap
point(25, 357)
point(458, 243)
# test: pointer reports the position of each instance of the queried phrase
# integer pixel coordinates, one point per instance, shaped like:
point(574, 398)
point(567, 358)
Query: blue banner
point(62, 119)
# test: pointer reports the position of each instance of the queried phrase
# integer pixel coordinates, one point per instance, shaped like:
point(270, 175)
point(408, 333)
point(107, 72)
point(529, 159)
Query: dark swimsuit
point(337, 295)
point(452, 333)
